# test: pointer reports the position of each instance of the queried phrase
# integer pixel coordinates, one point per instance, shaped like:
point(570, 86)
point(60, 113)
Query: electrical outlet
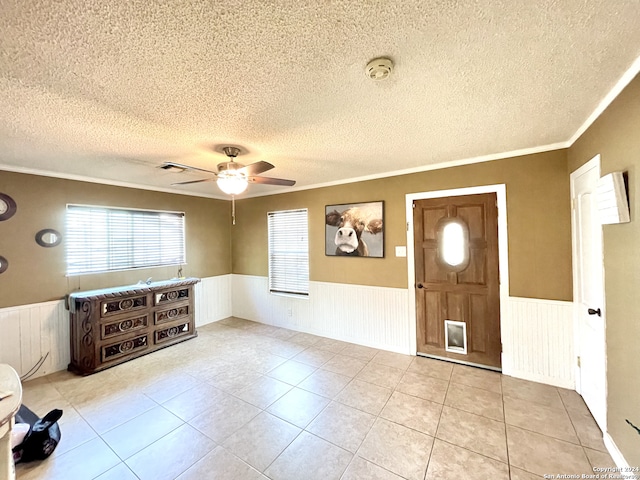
point(289, 312)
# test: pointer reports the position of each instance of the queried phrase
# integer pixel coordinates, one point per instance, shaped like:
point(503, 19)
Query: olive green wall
point(538, 211)
point(37, 274)
point(616, 137)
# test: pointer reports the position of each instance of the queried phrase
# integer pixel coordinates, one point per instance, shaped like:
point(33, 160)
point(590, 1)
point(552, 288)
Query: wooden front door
point(457, 278)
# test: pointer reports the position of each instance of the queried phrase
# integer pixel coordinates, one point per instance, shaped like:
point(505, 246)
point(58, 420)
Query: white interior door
point(588, 291)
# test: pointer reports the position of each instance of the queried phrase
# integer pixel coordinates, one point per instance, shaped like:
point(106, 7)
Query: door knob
point(420, 285)
point(591, 311)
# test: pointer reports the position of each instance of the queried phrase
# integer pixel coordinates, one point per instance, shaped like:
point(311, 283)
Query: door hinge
point(573, 204)
point(578, 361)
point(407, 226)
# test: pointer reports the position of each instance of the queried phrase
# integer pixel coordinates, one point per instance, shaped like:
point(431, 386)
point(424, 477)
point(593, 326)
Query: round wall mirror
point(48, 237)
point(7, 207)
point(3, 264)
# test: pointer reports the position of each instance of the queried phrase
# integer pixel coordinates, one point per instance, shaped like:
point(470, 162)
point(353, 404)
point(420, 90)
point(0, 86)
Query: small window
point(289, 252)
point(104, 239)
point(453, 244)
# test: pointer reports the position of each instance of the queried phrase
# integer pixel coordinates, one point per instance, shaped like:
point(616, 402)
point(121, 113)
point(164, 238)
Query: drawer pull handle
point(126, 325)
point(126, 304)
point(172, 332)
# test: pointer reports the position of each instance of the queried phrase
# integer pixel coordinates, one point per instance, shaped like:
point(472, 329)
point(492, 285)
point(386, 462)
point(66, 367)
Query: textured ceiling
point(112, 89)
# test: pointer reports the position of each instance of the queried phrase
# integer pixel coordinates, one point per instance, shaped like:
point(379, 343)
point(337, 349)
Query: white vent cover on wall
point(611, 198)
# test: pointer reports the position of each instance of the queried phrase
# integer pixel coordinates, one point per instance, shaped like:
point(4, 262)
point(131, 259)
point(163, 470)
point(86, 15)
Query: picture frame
point(355, 229)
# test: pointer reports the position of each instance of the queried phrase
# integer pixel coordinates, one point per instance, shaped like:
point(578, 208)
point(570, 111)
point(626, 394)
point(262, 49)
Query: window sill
point(304, 296)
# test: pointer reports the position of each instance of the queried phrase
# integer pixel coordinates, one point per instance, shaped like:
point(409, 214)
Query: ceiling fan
point(233, 177)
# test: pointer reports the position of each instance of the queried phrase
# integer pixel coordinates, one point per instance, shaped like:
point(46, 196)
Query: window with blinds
point(289, 252)
point(103, 239)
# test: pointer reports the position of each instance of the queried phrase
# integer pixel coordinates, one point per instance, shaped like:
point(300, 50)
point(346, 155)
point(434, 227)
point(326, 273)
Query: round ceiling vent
point(379, 68)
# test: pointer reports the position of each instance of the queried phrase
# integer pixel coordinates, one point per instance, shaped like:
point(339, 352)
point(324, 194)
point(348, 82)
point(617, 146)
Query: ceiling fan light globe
point(232, 184)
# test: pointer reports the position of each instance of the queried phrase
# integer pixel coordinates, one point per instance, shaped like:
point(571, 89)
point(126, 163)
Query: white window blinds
point(289, 252)
point(102, 239)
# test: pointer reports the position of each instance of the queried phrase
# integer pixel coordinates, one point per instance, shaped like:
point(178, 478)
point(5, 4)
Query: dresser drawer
point(113, 328)
point(173, 332)
point(171, 314)
point(123, 305)
point(125, 347)
point(170, 296)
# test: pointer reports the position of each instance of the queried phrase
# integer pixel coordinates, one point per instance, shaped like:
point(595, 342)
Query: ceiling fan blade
point(271, 181)
point(186, 167)
point(195, 181)
point(256, 168)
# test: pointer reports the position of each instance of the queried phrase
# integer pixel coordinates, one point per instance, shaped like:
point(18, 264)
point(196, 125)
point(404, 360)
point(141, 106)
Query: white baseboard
point(617, 457)
point(547, 379)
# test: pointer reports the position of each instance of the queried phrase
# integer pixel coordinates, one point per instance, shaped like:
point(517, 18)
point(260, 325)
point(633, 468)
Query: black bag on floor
point(43, 437)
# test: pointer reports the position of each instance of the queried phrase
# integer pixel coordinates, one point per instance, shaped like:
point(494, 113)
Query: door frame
point(595, 162)
point(503, 254)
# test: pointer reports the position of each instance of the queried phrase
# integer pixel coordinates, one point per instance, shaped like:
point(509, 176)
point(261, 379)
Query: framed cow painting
point(355, 230)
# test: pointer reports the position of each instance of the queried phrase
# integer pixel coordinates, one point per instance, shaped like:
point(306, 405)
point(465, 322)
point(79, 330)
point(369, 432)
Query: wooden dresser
point(114, 325)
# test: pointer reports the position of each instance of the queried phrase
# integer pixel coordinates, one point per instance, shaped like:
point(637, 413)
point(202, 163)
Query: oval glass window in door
point(453, 248)
point(453, 244)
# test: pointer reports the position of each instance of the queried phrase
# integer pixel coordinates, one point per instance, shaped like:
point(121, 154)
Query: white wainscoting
point(537, 335)
point(29, 332)
point(537, 341)
point(213, 299)
point(371, 316)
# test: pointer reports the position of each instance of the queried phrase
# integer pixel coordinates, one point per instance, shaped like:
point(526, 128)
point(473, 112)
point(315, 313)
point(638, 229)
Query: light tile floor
point(250, 401)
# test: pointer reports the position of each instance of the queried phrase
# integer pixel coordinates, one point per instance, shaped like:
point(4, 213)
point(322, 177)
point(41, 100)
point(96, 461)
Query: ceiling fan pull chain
point(233, 209)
